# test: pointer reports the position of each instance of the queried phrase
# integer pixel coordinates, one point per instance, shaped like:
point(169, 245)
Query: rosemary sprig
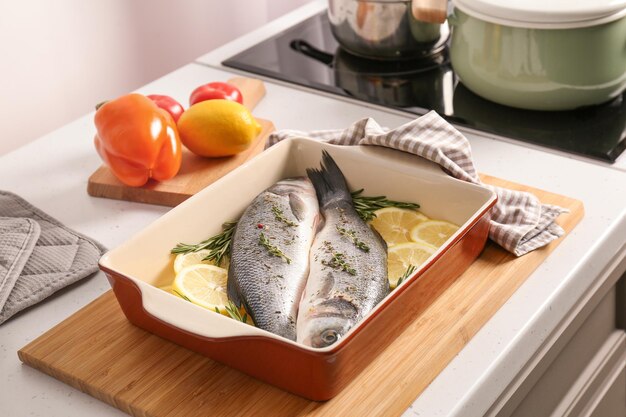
point(183, 296)
point(274, 250)
point(337, 260)
point(280, 216)
point(218, 245)
point(351, 234)
point(409, 271)
point(234, 312)
point(231, 309)
point(366, 206)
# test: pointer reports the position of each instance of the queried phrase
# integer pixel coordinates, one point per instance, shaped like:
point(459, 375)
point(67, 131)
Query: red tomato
point(168, 104)
point(215, 90)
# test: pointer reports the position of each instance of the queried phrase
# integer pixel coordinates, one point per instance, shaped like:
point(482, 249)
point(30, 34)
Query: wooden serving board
point(195, 172)
point(98, 351)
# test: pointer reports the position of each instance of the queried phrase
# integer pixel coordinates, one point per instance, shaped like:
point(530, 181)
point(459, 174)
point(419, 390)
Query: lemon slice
point(183, 260)
point(204, 285)
point(394, 224)
point(433, 232)
point(401, 256)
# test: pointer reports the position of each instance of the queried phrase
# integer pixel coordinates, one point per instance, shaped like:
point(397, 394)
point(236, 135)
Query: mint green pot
point(539, 69)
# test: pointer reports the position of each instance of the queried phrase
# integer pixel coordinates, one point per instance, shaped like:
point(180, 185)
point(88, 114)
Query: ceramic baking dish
point(140, 267)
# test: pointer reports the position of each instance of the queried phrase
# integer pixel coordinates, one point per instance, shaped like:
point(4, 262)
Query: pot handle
point(430, 11)
point(452, 19)
point(309, 50)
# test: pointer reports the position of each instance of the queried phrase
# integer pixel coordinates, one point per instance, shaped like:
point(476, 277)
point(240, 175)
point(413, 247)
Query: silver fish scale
point(334, 296)
point(348, 262)
point(270, 285)
point(368, 285)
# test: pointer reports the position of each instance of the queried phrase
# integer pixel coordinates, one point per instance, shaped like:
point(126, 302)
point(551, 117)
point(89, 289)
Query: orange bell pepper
point(137, 140)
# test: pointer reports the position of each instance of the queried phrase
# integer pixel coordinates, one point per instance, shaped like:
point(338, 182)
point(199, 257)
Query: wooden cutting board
point(99, 352)
point(195, 172)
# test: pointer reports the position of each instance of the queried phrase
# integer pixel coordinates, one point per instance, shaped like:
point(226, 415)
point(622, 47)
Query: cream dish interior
point(145, 258)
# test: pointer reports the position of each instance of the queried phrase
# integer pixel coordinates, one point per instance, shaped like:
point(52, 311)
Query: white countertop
point(52, 174)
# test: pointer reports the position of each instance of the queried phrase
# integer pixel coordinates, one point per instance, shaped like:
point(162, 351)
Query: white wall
point(59, 58)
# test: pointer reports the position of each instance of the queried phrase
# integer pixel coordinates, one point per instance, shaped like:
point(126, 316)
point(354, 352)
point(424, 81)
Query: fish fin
point(232, 289)
point(380, 238)
point(318, 223)
point(298, 208)
point(234, 294)
point(329, 182)
point(339, 307)
point(328, 283)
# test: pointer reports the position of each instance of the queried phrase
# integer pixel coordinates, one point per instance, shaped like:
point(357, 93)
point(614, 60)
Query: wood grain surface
point(98, 351)
point(195, 172)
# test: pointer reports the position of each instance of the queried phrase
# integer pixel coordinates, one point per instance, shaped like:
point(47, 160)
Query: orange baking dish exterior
point(316, 374)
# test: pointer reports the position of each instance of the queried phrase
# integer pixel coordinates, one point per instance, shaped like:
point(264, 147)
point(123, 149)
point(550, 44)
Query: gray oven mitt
point(38, 255)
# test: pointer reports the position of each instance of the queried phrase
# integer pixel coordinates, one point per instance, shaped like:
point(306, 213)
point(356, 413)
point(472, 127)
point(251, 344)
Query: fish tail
point(329, 182)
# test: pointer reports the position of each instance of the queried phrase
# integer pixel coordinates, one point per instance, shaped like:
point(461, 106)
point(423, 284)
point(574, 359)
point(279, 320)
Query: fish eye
point(329, 336)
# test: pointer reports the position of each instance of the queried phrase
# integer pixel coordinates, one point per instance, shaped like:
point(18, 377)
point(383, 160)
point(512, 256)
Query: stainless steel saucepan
point(533, 54)
point(381, 29)
point(424, 82)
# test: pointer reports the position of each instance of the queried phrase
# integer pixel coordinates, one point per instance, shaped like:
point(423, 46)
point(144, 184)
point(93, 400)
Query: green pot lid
point(544, 14)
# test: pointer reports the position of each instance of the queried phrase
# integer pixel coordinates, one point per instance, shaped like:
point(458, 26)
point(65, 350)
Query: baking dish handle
point(189, 317)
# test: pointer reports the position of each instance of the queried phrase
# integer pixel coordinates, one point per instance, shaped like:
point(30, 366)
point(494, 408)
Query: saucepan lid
point(542, 14)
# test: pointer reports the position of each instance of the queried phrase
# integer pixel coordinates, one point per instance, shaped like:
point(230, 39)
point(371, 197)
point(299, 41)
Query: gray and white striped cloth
point(520, 223)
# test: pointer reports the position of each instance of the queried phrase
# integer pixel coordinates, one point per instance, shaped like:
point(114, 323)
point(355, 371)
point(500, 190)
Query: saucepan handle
point(309, 50)
point(453, 20)
point(429, 11)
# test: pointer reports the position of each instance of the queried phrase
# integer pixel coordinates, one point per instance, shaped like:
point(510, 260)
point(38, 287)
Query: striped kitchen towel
point(519, 223)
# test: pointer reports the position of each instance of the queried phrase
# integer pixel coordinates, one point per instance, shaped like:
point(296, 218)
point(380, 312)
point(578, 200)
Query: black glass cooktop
point(307, 54)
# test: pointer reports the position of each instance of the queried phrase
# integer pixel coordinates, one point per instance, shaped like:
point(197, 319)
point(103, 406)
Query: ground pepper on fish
point(345, 281)
point(269, 264)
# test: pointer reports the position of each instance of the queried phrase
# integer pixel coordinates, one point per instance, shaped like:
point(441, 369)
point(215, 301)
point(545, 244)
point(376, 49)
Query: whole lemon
point(217, 128)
